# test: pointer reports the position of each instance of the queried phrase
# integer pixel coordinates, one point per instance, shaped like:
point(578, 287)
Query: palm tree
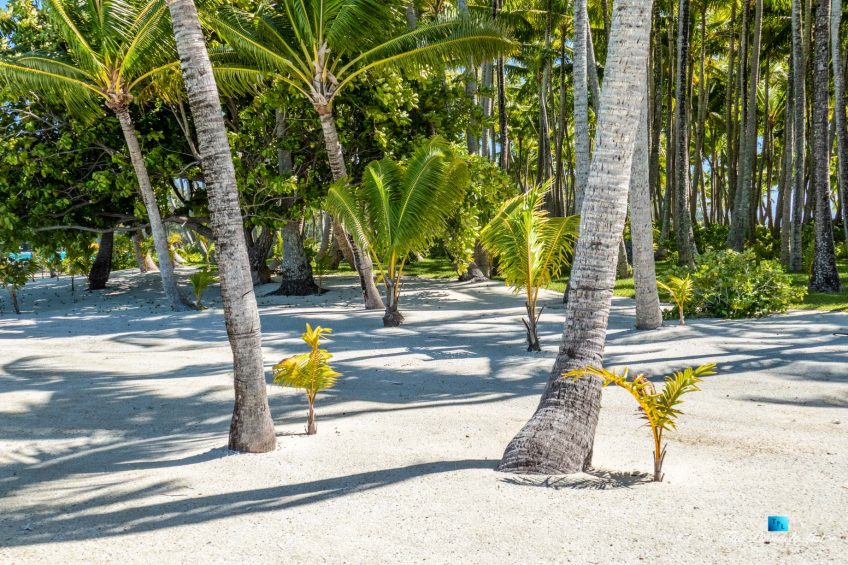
point(533, 248)
point(682, 219)
point(648, 313)
point(116, 50)
point(799, 64)
point(398, 210)
point(839, 117)
point(320, 47)
point(559, 436)
point(825, 276)
point(581, 102)
point(251, 427)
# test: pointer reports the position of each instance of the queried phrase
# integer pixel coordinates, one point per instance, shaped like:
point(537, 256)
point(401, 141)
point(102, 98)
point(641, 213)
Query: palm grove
point(286, 137)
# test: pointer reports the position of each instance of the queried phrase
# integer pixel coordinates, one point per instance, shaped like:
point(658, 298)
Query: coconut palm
point(251, 427)
point(559, 436)
point(532, 247)
point(399, 210)
point(320, 47)
point(117, 49)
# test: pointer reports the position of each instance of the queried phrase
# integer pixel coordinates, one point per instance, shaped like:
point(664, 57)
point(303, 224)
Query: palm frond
point(151, 41)
point(52, 79)
point(454, 41)
point(68, 24)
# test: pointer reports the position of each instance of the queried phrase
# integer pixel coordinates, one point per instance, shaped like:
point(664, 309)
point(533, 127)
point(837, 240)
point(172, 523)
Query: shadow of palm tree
point(592, 479)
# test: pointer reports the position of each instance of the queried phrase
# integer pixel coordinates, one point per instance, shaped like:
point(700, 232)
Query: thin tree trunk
point(470, 92)
point(682, 220)
point(825, 276)
point(740, 225)
point(697, 183)
point(839, 117)
point(648, 314)
point(559, 436)
point(102, 266)
point(251, 427)
point(799, 66)
point(361, 260)
point(157, 228)
point(580, 87)
point(786, 172)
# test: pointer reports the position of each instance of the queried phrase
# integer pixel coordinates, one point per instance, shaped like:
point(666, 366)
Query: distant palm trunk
point(295, 269)
point(559, 436)
point(157, 228)
point(102, 266)
point(251, 427)
point(799, 65)
point(786, 173)
point(825, 277)
point(682, 219)
point(648, 314)
point(740, 224)
point(839, 117)
point(361, 261)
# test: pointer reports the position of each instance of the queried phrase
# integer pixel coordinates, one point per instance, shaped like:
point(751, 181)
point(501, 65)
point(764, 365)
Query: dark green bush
point(740, 285)
point(711, 238)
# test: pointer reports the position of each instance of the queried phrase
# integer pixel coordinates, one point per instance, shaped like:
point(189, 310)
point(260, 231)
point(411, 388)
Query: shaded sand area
point(114, 414)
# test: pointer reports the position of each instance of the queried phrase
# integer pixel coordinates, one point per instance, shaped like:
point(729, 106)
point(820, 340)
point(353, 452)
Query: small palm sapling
point(681, 291)
point(310, 372)
point(659, 408)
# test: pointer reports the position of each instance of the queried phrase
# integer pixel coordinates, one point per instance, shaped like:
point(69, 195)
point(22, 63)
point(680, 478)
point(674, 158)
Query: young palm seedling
point(681, 291)
point(14, 275)
point(659, 408)
point(533, 249)
point(201, 280)
point(310, 372)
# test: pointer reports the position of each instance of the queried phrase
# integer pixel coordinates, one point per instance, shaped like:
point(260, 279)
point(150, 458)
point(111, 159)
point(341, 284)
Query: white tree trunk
point(251, 427)
point(157, 228)
point(559, 436)
point(358, 259)
point(581, 104)
point(648, 314)
point(839, 117)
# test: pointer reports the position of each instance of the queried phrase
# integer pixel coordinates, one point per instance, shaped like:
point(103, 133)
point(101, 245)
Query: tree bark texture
point(102, 266)
point(295, 268)
point(799, 65)
point(580, 87)
point(559, 436)
point(157, 228)
point(251, 427)
point(682, 219)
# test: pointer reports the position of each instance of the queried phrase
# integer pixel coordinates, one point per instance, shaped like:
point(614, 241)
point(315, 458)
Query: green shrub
point(711, 238)
point(740, 285)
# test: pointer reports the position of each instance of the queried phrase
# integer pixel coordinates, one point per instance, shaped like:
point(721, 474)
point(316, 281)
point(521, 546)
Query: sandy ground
point(114, 414)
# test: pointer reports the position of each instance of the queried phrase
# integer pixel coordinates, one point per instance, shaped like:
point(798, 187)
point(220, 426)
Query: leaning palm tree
point(559, 436)
point(251, 427)
point(399, 210)
point(320, 47)
point(532, 247)
point(117, 50)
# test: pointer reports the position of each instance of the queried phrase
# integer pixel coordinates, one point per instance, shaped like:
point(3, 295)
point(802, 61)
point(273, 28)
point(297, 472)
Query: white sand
point(114, 414)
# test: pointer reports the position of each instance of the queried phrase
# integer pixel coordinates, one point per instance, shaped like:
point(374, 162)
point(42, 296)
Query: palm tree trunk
point(251, 427)
point(139, 256)
point(682, 219)
point(839, 117)
point(740, 224)
point(157, 228)
point(825, 277)
point(581, 103)
point(785, 207)
point(13, 296)
point(799, 66)
point(559, 436)
point(296, 271)
point(648, 314)
point(98, 276)
point(360, 261)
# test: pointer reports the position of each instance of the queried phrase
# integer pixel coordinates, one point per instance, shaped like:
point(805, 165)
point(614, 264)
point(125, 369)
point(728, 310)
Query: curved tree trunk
point(157, 228)
point(251, 427)
point(581, 103)
point(360, 261)
point(98, 276)
point(559, 436)
point(294, 265)
point(682, 219)
point(839, 117)
point(740, 224)
point(799, 66)
point(648, 314)
point(825, 277)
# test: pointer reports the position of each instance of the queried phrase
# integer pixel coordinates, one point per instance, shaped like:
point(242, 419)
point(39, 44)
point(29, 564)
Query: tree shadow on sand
point(592, 479)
